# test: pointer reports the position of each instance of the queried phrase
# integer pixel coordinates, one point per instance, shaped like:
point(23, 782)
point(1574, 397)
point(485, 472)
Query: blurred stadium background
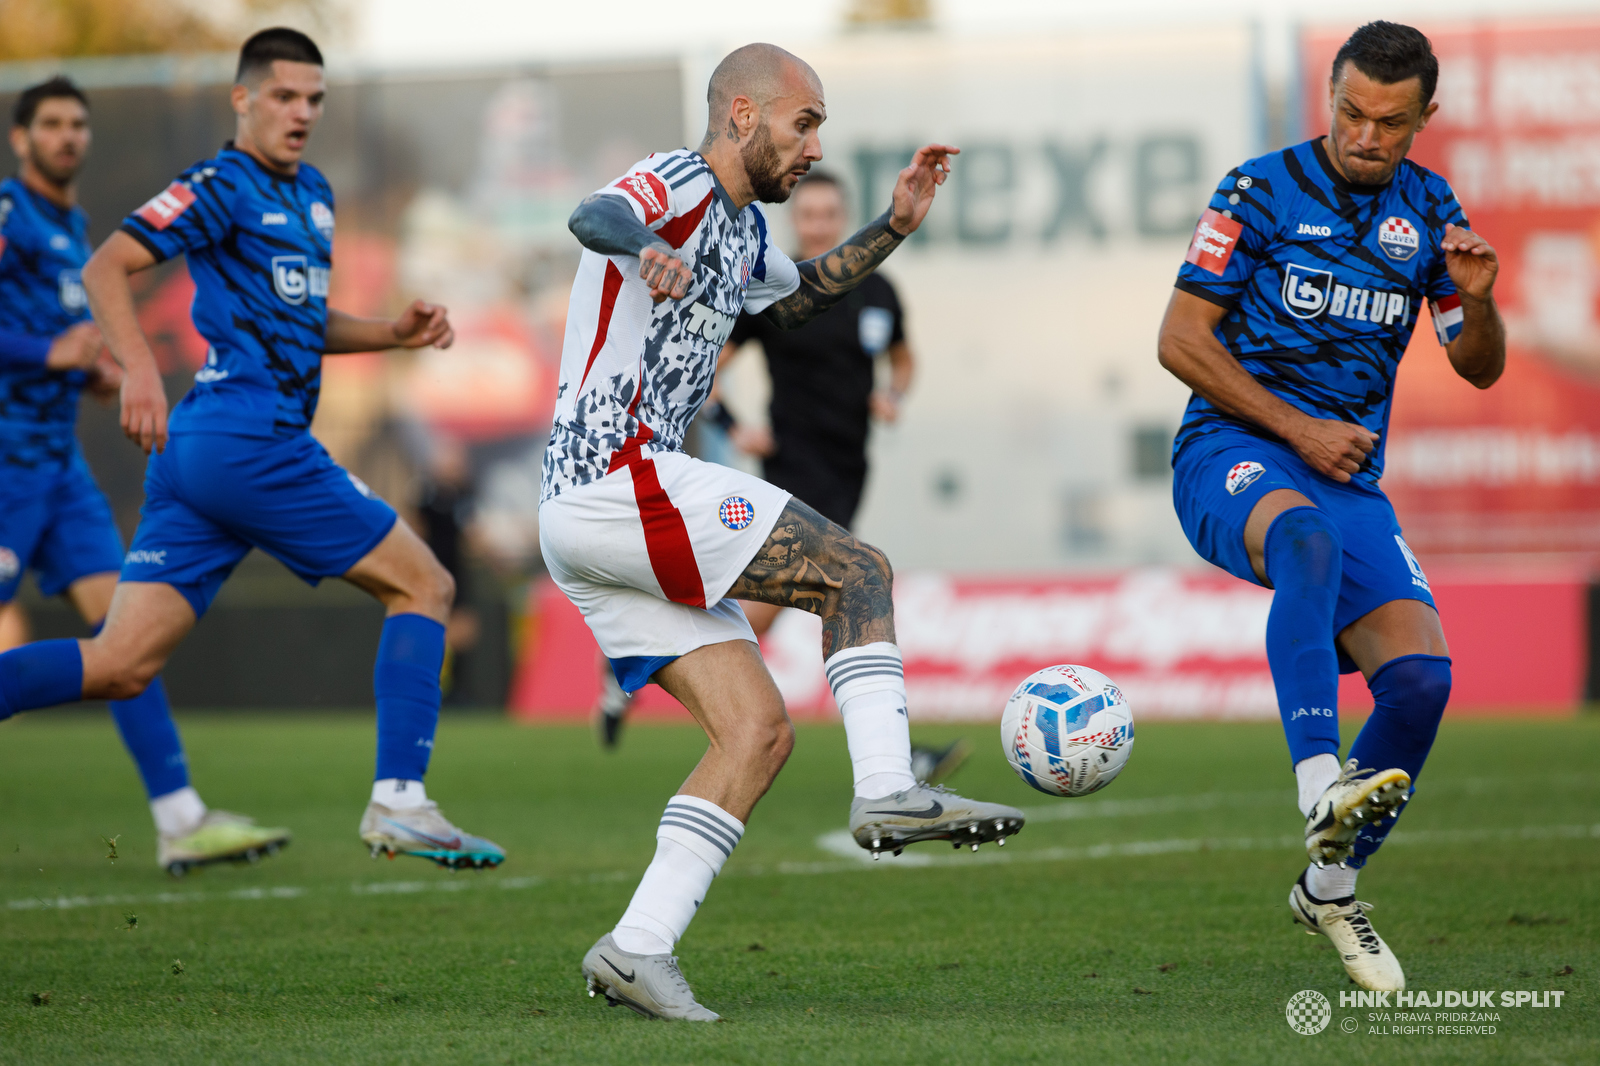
point(1025, 495)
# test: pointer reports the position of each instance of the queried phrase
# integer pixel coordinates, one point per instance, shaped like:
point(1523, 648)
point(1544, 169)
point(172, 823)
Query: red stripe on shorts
point(666, 537)
point(608, 303)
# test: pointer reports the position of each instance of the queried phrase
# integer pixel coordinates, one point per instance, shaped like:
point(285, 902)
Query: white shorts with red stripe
point(648, 551)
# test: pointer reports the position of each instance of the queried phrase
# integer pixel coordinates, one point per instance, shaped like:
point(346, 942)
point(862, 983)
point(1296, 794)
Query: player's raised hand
point(423, 324)
point(78, 348)
point(913, 191)
point(1333, 448)
point(667, 275)
point(1470, 260)
point(144, 409)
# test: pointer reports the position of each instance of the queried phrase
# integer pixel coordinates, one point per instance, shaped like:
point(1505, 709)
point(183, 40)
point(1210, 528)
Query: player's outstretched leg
point(813, 564)
point(400, 818)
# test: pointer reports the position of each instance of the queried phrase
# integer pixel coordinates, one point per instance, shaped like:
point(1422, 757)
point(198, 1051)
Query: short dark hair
point(1390, 53)
point(280, 42)
point(56, 88)
point(820, 177)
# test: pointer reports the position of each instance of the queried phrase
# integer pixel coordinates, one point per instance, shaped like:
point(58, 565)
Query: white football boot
point(929, 812)
point(1357, 798)
point(426, 833)
point(651, 985)
point(1367, 959)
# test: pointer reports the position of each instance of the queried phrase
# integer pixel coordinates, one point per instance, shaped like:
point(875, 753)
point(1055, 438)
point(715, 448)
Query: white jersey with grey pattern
point(633, 372)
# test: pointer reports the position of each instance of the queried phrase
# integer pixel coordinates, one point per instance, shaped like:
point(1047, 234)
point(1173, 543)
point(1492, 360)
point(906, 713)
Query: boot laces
point(1366, 936)
point(675, 975)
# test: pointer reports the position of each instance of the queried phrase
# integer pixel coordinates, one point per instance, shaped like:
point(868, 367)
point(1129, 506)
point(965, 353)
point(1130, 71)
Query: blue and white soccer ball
point(1067, 730)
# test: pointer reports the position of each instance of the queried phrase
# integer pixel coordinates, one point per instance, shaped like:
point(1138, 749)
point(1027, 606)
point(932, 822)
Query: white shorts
point(648, 551)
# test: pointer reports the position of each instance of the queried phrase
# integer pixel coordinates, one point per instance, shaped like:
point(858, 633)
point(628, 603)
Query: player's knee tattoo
point(813, 564)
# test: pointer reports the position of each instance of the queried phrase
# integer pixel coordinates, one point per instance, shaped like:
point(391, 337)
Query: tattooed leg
point(818, 566)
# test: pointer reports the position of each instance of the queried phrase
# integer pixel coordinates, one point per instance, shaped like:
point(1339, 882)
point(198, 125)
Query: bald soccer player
point(654, 546)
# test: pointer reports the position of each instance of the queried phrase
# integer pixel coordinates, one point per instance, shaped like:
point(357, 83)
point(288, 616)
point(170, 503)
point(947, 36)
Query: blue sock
point(406, 683)
point(1409, 696)
point(151, 737)
point(42, 674)
point(1304, 563)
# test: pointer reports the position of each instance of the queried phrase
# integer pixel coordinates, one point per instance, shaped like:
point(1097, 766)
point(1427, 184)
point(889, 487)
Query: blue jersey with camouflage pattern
point(43, 247)
point(1323, 281)
point(260, 247)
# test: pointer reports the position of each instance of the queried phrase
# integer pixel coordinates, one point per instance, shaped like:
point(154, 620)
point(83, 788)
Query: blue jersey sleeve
point(1230, 240)
point(1449, 211)
point(193, 212)
point(23, 349)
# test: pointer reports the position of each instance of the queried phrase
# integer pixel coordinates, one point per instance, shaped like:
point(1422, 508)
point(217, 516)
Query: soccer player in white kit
point(654, 546)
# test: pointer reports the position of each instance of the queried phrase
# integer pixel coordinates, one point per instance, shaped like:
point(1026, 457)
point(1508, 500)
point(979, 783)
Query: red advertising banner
point(1181, 644)
point(1515, 468)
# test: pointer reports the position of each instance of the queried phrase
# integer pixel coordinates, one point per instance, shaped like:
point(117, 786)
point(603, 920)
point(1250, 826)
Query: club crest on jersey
point(1398, 238)
point(1305, 291)
point(1242, 476)
point(744, 272)
point(162, 209)
point(322, 218)
point(736, 513)
point(10, 565)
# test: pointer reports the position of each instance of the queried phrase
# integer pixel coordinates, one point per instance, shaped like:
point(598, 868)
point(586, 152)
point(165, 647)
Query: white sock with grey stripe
point(869, 685)
point(694, 840)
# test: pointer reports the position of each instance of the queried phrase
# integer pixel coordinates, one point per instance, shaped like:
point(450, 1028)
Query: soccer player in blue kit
point(1298, 296)
point(240, 468)
point(53, 517)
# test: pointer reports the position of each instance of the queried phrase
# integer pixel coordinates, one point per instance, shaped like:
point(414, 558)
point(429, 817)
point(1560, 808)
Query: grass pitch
point(1145, 924)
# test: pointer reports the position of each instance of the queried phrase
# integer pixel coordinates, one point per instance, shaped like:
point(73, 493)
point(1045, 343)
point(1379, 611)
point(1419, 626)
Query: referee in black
point(824, 374)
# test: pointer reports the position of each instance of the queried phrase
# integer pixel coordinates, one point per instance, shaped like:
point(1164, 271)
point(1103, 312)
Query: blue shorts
point(56, 523)
point(211, 497)
point(1218, 480)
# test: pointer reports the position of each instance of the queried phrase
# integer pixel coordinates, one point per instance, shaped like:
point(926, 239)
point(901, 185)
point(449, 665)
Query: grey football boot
point(651, 985)
point(929, 812)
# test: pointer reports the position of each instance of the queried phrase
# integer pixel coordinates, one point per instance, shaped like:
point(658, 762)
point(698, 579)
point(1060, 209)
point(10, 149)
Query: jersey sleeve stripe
point(1205, 294)
point(150, 246)
point(608, 303)
point(690, 176)
point(678, 230)
point(672, 172)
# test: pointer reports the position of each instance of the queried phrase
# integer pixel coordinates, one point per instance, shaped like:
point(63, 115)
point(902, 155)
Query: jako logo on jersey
point(211, 371)
point(157, 558)
point(165, 206)
point(650, 192)
point(1398, 238)
point(1242, 476)
point(1215, 237)
point(69, 290)
point(361, 486)
point(714, 326)
point(10, 565)
point(60, 242)
point(294, 281)
point(1314, 231)
point(1305, 291)
point(322, 218)
point(736, 512)
point(274, 218)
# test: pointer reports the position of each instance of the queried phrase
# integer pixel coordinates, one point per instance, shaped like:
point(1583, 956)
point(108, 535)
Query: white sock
point(869, 685)
point(398, 794)
point(178, 813)
point(1314, 776)
point(1332, 881)
point(693, 841)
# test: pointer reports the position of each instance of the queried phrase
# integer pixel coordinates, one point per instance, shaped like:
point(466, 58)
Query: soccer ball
point(1067, 730)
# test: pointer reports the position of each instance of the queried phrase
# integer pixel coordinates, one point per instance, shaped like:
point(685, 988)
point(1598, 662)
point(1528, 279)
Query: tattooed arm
point(825, 279)
point(605, 224)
